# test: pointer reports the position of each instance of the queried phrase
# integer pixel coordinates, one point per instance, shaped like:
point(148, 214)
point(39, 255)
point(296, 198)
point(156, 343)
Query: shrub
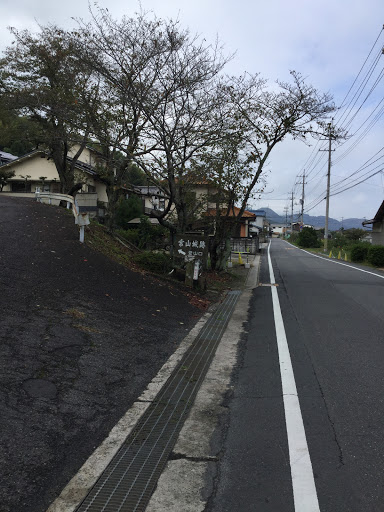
point(145, 235)
point(130, 235)
point(338, 241)
point(376, 255)
point(354, 233)
point(359, 251)
point(308, 238)
point(128, 209)
point(156, 262)
point(151, 236)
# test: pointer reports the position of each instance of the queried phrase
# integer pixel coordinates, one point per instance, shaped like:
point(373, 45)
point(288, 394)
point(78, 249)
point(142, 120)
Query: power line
point(347, 114)
point(374, 44)
point(362, 167)
point(362, 181)
point(361, 89)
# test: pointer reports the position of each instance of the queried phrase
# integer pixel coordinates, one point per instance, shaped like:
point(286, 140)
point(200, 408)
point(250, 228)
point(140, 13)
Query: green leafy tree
point(308, 238)
point(127, 210)
point(338, 241)
point(43, 79)
point(134, 176)
point(354, 234)
point(4, 177)
point(18, 135)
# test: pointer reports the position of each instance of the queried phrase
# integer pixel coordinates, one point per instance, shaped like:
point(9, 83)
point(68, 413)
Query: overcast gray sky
point(326, 41)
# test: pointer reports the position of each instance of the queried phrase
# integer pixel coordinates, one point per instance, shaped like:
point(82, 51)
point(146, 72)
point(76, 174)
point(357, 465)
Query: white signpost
point(193, 249)
point(82, 219)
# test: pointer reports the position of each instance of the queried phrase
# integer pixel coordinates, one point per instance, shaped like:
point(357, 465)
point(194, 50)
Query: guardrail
point(81, 218)
point(53, 198)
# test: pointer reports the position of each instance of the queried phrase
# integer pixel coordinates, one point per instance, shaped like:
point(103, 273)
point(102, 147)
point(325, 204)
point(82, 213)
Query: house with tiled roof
point(377, 226)
point(242, 229)
point(36, 172)
point(6, 157)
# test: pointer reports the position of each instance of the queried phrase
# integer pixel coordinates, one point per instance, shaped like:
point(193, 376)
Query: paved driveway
point(80, 338)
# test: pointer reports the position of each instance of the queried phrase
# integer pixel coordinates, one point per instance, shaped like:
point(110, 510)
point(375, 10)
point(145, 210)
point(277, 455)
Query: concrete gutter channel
point(168, 436)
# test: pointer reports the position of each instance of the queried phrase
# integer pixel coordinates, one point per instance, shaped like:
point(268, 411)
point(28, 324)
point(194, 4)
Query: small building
point(5, 158)
point(35, 172)
point(298, 226)
point(280, 229)
point(377, 226)
point(243, 227)
point(260, 224)
point(153, 198)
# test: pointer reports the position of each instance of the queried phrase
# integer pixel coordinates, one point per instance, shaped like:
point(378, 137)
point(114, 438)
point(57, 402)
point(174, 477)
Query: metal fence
point(246, 245)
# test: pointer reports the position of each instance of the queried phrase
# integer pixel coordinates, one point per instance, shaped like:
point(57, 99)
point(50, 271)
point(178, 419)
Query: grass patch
point(99, 239)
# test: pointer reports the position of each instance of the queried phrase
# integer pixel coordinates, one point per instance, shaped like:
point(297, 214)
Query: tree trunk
point(224, 255)
point(219, 255)
point(113, 198)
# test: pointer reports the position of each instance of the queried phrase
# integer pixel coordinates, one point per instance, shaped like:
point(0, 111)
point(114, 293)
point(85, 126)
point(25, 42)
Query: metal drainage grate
point(128, 482)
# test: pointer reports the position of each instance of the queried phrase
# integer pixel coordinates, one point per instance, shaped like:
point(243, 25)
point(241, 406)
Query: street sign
point(196, 269)
point(191, 247)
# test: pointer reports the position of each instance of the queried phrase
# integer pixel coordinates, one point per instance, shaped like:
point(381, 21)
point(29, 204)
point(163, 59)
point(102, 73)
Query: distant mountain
point(317, 222)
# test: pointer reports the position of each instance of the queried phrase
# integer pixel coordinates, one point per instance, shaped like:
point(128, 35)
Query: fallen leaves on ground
point(198, 302)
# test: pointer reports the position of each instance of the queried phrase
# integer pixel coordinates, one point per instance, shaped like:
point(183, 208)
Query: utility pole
point(291, 212)
point(328, 185)
point(302, 197)
point(286, 220)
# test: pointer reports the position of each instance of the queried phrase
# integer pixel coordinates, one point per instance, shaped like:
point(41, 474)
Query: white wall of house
point(88, 155)
point(203, 193)
point(36, 166)
point(278, 229)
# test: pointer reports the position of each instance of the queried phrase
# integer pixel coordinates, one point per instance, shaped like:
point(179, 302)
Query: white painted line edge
point(337, 262)
point(303, 483)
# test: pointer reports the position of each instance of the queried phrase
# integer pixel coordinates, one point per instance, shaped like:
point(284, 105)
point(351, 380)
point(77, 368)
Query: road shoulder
point(187, 481)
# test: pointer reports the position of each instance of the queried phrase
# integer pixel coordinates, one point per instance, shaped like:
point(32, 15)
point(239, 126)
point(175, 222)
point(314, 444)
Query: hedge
point(359, 252)
point(376, 255)
point(156, 262)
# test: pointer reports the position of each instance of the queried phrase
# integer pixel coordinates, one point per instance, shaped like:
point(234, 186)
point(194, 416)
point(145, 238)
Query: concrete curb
point(187, 481)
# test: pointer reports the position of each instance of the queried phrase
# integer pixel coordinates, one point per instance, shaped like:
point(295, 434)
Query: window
point(21, 186)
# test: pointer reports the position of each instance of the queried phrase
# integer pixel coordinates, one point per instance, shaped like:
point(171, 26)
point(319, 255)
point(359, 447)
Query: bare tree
point(128, 57)
point(185, 121)
point(258, 120)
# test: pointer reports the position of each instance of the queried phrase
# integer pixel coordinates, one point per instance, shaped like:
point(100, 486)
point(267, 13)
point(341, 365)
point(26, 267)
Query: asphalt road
point(80, 339)
point(334, 325)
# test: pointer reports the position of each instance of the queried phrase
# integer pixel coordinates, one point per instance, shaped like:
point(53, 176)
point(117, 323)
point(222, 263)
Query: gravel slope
point(80, 338)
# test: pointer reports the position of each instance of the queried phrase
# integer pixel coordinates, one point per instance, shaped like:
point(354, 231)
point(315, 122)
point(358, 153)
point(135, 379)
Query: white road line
point(303, 484)
point(337, 262)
